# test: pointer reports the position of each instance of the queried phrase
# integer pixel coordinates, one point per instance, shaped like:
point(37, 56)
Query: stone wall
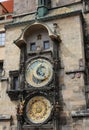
point(29, 6)
point(12, 57)
point(63, 2)
point(24, 6)
point(71, 51)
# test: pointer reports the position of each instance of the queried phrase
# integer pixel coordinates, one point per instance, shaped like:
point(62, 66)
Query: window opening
point(1, 67)
point(2, 38)
point(46, 45)
point(33, 46)
point(14, 75)
point(15, 83)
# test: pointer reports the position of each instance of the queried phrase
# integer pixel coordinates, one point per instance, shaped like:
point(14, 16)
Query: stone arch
point(32, 29)
point(35, 27)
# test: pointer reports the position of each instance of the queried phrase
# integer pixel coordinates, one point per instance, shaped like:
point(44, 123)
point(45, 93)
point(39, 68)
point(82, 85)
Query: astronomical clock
point(38, 78)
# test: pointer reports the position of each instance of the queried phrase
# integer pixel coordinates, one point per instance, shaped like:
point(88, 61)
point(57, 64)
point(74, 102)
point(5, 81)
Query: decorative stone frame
point(53, 92)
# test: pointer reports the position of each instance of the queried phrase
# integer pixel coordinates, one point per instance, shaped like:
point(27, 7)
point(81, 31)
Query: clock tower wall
point(70, 54)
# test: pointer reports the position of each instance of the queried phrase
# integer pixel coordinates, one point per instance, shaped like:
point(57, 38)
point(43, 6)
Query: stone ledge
point(46, 126)
point(75, 71)
point(3, 79)
point(80, 114)
point(86, 11)
point(5, 117)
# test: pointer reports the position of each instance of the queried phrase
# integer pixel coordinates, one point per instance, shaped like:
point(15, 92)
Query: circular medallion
point(38, 109)
point(39, 72)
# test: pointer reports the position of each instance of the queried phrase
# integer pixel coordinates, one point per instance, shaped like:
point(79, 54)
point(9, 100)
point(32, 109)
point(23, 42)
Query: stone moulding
point(68, 13)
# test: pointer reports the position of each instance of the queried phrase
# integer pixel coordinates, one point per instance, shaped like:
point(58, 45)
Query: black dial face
point(39, 72)
point(38, 109)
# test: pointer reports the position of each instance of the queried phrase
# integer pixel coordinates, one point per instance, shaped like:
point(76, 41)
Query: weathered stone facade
point(68, 23)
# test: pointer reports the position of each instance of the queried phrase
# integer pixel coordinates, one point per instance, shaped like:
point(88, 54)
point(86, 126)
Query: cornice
point(44, 19)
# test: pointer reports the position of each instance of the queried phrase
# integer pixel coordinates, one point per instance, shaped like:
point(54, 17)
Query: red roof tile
point(8, 5)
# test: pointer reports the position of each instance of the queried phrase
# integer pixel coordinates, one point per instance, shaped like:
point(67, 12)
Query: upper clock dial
point(39, 72)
